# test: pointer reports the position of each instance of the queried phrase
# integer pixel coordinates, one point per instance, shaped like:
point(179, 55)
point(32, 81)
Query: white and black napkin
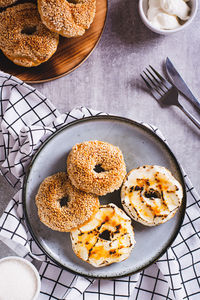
point(27, 119)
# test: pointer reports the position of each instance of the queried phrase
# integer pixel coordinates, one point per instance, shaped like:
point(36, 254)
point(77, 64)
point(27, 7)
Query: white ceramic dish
point(140, 146)
point(33, 270)
point(143, 7)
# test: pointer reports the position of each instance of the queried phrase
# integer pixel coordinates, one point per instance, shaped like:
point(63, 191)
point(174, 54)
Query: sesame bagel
point(24, 38)
point(61, 206)
point(96, 167)
point(107, 238)
point(151, 195)
point(67, 18)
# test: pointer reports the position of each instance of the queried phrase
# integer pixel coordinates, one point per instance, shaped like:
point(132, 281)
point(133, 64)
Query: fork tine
point(147, 83)
point(166, 83)
point(158, 85)
point(159, 82)
point(154, 92)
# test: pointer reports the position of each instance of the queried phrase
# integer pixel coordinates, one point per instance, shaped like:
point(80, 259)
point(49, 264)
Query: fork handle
point(190, 116)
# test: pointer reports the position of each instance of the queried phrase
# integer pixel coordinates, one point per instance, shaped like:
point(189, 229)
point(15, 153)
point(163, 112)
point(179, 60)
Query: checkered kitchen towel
point(27, 119)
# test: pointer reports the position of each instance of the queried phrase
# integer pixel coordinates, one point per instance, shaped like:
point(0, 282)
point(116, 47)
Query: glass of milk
point(19, 279)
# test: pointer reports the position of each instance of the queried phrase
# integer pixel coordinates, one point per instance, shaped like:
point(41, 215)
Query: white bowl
point(143, 7)
point(33, 269)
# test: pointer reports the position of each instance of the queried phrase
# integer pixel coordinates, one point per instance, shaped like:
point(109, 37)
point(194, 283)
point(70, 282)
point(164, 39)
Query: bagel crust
point(5, 3)
point(108, 237)
point(61, 206)
point(25, 40)
point(96, 167)
point(151, 195)
point(66, 18)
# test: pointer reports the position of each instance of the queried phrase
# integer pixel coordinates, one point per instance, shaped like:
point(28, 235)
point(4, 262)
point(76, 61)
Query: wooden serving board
point(71, 53)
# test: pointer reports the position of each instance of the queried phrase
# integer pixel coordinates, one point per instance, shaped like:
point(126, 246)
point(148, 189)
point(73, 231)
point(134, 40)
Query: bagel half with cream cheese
point(107, 238)
point(151, 195)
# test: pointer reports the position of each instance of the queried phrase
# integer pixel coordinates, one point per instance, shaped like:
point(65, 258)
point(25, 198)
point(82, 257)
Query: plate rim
point(78, 64)
point(122, 119)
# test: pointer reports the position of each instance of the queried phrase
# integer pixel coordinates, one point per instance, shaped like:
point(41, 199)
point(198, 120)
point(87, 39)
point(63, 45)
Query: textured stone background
point(109, 81)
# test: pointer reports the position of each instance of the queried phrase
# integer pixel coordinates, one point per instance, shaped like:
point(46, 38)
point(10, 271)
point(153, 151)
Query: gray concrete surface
point(109, 81)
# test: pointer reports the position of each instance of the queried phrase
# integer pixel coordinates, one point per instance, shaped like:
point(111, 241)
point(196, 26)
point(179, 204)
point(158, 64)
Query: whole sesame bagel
point(151, 195)
point(61, 206)
point(107, 238)
point(24, 38)
point(67, 18)
point(96, 167)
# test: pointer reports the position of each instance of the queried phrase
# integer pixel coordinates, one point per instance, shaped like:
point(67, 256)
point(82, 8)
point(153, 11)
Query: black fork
point(165, 93)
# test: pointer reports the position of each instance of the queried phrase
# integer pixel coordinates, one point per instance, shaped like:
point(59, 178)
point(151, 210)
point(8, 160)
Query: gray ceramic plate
point(140, 146)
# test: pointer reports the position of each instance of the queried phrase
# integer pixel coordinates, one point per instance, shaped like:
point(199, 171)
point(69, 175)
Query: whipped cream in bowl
point(167, 16)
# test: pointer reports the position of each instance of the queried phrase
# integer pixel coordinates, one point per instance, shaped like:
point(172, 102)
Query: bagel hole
point(29, 30)
point(98, 169)
point(73, 1)
point(151, 193)
point(64, 201)
point(105, 235)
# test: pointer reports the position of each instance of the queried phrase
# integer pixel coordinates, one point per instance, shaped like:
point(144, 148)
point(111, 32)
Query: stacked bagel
point(29, 33)
point(103, 234)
